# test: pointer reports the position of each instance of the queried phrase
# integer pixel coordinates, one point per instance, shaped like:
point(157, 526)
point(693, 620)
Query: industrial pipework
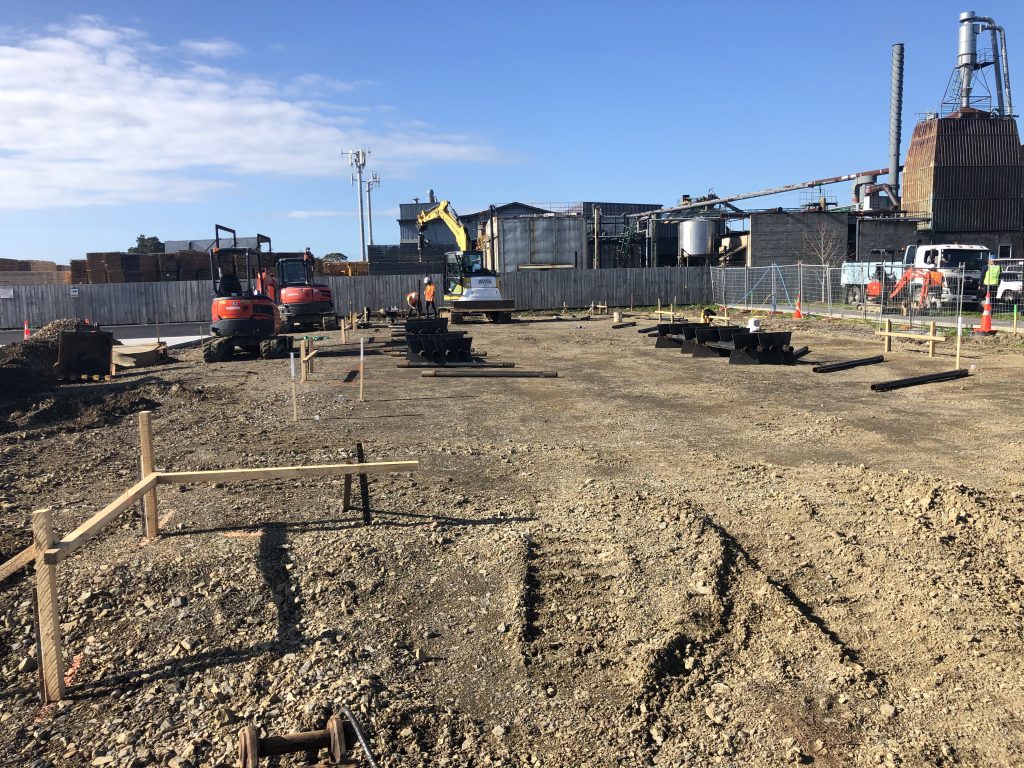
point(967, 60)
point(895, 121)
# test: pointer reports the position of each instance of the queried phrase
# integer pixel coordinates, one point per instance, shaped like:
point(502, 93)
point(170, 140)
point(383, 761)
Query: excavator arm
point(929, 278)
point(444, 212)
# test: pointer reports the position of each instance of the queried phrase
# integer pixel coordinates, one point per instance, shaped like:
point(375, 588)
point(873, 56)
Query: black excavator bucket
point(714, 340)
point(84, 352)
point(763, 349)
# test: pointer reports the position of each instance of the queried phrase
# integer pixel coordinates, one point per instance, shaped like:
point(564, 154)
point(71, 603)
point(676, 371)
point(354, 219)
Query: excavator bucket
point(84, 353)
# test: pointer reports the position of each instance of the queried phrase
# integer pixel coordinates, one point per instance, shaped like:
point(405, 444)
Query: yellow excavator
point(470, 288)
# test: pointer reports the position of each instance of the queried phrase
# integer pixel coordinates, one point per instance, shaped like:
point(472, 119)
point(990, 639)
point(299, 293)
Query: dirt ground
point(651, 560)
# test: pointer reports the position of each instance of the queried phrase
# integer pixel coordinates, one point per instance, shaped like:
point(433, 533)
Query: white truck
point(927, 275)
point(1011, 283)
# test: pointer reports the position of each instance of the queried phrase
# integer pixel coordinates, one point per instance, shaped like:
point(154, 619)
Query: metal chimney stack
point(895, 120)
point(967, 56)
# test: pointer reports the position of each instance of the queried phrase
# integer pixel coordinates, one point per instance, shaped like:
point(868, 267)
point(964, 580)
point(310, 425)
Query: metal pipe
point(895, 120)
point(1006, 71)
point(1000, 106)
point(913, 381)
point(760, 193)
point(456, 365)
point(489, 374)
point(847, 364)
point(1006, 105)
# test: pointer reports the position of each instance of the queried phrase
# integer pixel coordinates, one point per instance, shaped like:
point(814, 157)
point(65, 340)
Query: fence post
point(152, 524)
point(51, 661)
point(828, 278)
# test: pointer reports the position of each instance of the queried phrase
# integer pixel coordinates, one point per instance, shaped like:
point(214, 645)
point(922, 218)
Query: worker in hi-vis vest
point(412, 299)
point(993, 274)
point(429, 295)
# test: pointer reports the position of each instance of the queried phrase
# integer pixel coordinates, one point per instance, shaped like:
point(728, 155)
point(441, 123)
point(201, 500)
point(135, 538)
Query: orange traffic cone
point(27, 332)
point(986, 315)
point(797, 314)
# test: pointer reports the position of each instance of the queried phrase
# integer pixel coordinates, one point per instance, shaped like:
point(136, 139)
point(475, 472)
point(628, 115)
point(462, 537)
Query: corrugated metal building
point(966, 173)
point(536, 236)
point(439, 235)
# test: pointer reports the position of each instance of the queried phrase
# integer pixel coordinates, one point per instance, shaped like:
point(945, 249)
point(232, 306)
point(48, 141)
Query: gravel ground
point(649, 561)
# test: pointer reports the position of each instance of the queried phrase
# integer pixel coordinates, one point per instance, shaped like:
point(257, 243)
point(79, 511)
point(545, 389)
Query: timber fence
point(186, 302)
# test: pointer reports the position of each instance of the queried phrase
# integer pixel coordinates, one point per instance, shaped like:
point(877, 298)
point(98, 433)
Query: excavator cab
point(302, 300)
point(460, 267)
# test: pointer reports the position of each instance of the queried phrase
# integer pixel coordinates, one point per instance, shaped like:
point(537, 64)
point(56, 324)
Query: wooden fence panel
point(189, 301)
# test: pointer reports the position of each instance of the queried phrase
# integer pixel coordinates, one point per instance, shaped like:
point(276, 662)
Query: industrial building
point(962, 181)
point(516, 236)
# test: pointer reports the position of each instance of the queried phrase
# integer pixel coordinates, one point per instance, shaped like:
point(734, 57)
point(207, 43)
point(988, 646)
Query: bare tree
point(824, 244)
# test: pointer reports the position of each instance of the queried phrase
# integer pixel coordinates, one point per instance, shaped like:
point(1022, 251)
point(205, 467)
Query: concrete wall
point(885, 234)
point(780, 238)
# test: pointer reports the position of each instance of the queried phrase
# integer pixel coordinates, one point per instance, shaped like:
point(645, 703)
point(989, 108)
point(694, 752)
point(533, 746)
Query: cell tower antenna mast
point(373, 181)
point(357, 159)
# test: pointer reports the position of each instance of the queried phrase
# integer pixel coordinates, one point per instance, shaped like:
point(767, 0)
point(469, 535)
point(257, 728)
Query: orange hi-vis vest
point(428, 292)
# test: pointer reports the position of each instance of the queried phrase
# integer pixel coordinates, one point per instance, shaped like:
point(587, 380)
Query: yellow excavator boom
point(444, 212)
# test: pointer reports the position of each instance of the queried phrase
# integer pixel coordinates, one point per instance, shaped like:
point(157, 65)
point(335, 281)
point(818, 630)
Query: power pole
point(357, 159)
point(373, 181)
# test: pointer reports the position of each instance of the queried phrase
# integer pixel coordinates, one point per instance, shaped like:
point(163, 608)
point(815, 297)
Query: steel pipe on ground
point(913, 381)
point(489, 374)
point(843, 365)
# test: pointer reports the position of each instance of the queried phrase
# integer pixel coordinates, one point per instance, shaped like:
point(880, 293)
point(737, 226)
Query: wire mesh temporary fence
point(774, 288)
point(875, 290)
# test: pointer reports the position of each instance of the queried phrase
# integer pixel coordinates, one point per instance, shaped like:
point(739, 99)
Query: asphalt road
point(126, 332)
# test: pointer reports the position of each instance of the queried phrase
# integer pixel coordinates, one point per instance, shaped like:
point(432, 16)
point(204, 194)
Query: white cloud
point(91, 114)
point(319, 214)
point(216, 47)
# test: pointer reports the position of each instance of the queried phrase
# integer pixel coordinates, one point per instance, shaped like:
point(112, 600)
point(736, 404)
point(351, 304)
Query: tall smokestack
point(895, 119)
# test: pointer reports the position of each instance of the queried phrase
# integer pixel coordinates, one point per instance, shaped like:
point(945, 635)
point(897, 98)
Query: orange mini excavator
point(301, 300)
point(927, 281)
point(244, 319)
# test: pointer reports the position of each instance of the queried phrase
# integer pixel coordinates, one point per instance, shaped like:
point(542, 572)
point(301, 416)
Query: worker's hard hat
point(427, 281)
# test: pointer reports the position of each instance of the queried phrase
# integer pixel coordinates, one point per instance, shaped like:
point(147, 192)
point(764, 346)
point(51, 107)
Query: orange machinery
point(244, 319)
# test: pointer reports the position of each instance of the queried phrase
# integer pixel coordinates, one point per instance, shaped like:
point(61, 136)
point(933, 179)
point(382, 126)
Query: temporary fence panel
point(189, 301)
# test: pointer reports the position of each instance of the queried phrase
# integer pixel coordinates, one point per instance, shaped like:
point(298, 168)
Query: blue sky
point(121, 118)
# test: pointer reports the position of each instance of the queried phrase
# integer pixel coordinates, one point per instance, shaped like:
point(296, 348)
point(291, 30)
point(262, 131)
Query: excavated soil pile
point(27, 367)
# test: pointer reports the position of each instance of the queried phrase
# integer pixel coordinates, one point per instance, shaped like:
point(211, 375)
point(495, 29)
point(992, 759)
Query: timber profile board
point(91, 527)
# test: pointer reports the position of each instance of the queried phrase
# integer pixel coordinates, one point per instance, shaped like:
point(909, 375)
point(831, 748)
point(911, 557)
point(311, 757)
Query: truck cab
point(953, 261)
